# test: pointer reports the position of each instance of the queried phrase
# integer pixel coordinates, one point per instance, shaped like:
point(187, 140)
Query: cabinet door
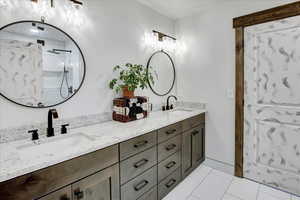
point(198, 145)
point(62, 194)
point(187, 163)
point(103, 185)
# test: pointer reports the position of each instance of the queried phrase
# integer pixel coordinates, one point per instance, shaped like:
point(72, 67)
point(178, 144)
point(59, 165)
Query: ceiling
point(177, 9)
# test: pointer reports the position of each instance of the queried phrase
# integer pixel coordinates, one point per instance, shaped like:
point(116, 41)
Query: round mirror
point(161, 73)
point(40, 65)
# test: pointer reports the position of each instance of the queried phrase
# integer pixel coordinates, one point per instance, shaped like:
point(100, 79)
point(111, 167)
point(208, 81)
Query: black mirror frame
point(174, 73)
point(84, 64)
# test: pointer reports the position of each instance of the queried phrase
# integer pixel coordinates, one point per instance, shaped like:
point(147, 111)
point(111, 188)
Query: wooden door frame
point(239, 24)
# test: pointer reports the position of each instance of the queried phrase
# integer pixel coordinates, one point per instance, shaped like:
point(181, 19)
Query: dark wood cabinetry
point(147, 167)
point(62, 194)
point(193, 148)
point(103, 185)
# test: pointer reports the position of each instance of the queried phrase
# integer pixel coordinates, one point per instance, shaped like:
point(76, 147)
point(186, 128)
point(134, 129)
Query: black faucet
point(168, 103)
point(51, 114)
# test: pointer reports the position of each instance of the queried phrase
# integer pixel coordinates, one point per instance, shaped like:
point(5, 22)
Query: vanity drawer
point(150, 195)
point(137, 164)
point(138, 186)
point(169, 132)
point(193, 122)
point(169, 184)
point(169, 147)
point(136, 145)
point(167, 166)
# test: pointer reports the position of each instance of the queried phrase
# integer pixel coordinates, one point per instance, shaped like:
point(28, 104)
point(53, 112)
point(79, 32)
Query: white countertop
point(16, 162)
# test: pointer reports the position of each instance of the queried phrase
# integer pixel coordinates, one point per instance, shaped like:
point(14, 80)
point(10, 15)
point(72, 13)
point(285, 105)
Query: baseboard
point(219, 165)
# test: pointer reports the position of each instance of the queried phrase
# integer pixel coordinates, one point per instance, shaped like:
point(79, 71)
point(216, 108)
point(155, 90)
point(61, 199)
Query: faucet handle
point(64, 129)
point(35, 134)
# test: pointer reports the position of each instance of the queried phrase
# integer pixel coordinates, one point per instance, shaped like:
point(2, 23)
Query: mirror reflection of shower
point(65, 90)
point(49, 64)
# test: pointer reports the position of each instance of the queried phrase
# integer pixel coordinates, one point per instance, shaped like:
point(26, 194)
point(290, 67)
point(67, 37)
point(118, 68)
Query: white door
point(272, 104)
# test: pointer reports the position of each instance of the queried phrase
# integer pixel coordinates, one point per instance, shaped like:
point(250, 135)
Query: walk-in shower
point(65, 89)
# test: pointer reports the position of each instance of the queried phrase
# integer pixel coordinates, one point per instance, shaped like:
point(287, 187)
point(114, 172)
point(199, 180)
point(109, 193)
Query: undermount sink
point(54, 145)
point(180, 111)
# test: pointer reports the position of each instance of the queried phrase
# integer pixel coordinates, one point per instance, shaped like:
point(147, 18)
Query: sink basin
point(180, 111)
point(54, 145)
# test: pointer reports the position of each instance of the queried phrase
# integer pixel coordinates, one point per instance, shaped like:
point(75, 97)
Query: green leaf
point(133, 76)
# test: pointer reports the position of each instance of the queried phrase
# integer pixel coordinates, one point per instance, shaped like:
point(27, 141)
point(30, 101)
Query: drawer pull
point(171, 183)
point(140, 163)
point(170, 165)
point(195, 133)
point(140, 144)
point(141, 185)
point(170, 147)
point(170, 132)
point(79, 194)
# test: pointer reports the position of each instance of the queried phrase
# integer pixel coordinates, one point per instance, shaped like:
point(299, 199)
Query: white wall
point(207, 70)
point(111, 32)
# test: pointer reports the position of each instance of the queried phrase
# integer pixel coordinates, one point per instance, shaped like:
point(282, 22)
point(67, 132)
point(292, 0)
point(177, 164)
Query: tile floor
point(206, 183)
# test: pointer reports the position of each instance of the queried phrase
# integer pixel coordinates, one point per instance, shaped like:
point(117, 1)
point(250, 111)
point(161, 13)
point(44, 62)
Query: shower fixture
point(62, 50)
point(59, 51)
point(38, 28)
point(77, 2)
point(69, 88)
point(54, 52)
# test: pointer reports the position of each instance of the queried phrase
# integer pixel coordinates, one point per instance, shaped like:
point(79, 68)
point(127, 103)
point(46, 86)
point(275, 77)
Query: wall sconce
point(161, 36)
point(77, 2)
point(164, 41)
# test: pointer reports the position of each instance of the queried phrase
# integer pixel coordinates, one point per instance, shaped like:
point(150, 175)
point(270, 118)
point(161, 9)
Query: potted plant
point(131, 77)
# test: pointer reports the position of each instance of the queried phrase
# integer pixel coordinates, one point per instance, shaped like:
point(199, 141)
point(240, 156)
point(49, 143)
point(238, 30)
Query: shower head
point(59, 51)
point(53, 52)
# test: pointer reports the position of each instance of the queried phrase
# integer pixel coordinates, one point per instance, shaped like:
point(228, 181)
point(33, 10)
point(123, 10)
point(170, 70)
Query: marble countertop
point(23, 157)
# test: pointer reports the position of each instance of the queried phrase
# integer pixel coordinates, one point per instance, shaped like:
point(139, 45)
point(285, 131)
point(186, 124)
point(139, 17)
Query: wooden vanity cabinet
point(193, 147)
point(62, 194)
point(103, 185)
point(51, 179)
point(147, 167)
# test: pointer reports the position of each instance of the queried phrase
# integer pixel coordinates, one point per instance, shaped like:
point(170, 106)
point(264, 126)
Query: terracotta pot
point(127, 93)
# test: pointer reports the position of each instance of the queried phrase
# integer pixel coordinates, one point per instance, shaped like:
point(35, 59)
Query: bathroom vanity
point(137, 163)
point(142, 160)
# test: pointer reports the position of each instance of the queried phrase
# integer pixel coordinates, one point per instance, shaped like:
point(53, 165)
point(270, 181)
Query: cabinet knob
point(195, 133)
point(79, 194)
point(64, 197)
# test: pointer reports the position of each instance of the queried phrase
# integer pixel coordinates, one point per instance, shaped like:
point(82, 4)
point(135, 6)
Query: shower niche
point(40, 65)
